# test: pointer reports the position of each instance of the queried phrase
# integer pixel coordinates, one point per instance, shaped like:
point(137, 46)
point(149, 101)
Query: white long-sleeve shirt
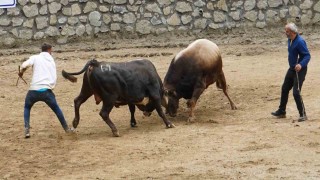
point(44, 71)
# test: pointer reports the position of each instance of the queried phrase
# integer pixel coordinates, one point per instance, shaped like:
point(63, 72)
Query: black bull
point(133, 83)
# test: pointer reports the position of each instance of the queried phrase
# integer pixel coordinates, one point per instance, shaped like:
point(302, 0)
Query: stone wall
point(38, 19)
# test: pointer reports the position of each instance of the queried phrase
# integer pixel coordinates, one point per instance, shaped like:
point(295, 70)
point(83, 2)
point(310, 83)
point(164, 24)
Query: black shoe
point(279, 113)
point(302, 118)
point(27, 133)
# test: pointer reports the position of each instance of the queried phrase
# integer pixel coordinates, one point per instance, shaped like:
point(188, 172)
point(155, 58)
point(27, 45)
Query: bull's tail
point(72, 78)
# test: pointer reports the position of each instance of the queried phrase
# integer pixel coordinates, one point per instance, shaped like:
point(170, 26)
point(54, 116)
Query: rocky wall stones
point(37, 19)
point(30, 11)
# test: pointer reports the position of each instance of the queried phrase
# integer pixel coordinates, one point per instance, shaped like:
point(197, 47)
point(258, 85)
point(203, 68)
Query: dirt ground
point(222, 144)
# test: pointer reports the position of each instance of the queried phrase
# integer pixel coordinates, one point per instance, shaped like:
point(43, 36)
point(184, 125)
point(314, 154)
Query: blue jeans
point(49, 98)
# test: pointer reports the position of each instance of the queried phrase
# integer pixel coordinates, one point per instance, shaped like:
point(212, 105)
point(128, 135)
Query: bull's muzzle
point(147, 114)
point(172, 114)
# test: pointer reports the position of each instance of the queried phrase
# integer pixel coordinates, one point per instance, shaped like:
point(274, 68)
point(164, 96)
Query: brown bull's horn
point(174, 93)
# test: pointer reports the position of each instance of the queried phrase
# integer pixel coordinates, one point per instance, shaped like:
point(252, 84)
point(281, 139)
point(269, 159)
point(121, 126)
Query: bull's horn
point(166, 92)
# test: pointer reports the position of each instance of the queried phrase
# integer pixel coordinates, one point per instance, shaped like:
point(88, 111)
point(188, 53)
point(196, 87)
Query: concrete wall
point(38, 19)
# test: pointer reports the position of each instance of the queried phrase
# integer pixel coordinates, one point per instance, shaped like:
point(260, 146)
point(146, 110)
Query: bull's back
point(132, 67)
point(202, 54)
point(142, 69)
point(140, 64)
point(140, 74)
point(202, 58)
point(131, 81)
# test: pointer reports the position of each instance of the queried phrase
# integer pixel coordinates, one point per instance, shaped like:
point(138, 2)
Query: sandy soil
point(222, 144)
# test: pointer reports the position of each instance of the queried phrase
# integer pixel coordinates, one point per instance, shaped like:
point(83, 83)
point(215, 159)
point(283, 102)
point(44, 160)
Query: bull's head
point(173, 102)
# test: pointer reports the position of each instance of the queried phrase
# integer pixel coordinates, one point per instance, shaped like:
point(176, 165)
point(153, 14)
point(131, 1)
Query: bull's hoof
point(75, 124)
point(191, 119)
point(171, 125)
point(190, 103)
point(133, 124)
point(116, 133)
point(233, 106)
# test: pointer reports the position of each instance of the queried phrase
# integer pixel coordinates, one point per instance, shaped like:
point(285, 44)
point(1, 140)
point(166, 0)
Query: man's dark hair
point(45, 47)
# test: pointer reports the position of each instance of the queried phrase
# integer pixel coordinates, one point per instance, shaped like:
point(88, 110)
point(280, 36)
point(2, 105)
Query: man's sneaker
point(279, 113)
point(70, 130)
point(27, 133)
point(302, 118)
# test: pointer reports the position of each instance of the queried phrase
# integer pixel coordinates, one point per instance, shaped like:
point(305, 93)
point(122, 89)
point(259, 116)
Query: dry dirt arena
point(222, 144)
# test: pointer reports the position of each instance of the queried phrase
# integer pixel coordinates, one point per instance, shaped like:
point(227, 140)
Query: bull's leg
point(200, 86)
point(161, 114)
point(104, 113)
point(85, 93)
point(157, 100)
point(132, 109)
point(77, 103)
point(223, 86)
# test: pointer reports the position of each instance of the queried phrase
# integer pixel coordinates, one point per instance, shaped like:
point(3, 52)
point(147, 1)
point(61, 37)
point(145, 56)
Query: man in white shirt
point(43, 81)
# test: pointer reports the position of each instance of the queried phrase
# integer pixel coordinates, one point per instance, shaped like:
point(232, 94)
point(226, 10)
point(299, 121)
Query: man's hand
point(298, 67)
point(20, 74)
point(21, 71)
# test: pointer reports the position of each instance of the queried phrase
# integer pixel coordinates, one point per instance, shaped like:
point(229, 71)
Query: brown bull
point(191, 71)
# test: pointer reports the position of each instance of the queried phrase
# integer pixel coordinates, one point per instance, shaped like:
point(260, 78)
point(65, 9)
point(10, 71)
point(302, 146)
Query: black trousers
point(291, 81)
